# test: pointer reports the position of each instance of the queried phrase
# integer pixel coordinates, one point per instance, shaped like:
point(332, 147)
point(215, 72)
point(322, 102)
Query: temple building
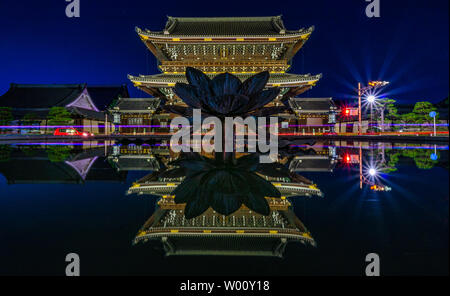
point(145, 157)
point(243, 233)
point(139, 116)
point(86, 104)
point(239, 45)
point(161, 183)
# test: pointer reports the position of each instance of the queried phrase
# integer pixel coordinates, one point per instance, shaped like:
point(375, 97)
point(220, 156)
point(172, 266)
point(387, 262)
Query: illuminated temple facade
point(243, 46)
point(243, 233)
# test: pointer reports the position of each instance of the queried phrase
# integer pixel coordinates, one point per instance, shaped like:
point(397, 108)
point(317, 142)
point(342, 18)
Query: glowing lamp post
point(371, 100)
point(362, 91)
point(433, 115)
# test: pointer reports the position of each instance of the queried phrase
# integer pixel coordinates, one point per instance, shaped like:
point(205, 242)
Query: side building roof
point(136, 104)
point(313, 105)
point(45, 96)
point(40, 95)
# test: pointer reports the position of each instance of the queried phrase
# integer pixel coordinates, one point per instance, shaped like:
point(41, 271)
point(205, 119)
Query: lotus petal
point(257, 203)
point(188, 94)
point(225, 84)
point(254, 84)
point(198, 79)
point(225, 189)
point(264, 97)
point(196, 206)
point(262, 187)
point(187, 190)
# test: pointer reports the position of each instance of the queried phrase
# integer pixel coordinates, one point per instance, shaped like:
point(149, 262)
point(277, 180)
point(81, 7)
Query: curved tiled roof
point(274, 78)
point(40, 95)
point(138, 104)
point(225, 26)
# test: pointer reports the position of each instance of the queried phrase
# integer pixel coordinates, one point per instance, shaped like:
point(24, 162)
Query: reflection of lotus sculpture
point(223, 185)
point(224, 95)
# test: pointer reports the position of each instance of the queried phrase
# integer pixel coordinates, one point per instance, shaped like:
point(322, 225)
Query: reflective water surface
point(138, 208)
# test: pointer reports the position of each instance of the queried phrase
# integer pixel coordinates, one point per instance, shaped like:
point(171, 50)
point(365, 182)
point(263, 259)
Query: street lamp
point(372, 172)
point(362, 91)
point(371, 99)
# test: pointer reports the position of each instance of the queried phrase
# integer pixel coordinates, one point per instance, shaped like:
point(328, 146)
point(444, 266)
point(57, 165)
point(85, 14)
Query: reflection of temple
point(244, 232)
point(36, 165)
point(146, 157)
point(162, 183)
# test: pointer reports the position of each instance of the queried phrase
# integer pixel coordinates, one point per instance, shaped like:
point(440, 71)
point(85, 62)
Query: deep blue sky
point(408, 45)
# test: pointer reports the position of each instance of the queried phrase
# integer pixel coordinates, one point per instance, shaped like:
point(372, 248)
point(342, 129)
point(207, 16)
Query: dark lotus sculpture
point(224, 95)
point(223, 185)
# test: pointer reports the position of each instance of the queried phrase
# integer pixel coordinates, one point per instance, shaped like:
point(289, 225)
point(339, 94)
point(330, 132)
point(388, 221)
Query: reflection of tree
point(421, 158)
point(5, 152)
point(30, 150)
point(58, 153)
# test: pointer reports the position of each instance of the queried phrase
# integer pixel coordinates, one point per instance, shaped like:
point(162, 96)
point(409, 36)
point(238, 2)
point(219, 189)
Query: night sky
point(408, 45)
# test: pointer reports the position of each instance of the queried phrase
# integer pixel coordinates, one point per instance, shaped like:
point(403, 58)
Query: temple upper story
point(220, 39)
point(238, 45)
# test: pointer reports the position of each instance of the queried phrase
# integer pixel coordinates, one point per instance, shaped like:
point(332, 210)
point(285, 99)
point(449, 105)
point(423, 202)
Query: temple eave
point(169, 80)
point(301, 34)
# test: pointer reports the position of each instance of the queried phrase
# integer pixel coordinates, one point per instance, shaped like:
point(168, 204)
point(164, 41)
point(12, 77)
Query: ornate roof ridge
point(282, 33)
point(225, 18)
point(53, 85)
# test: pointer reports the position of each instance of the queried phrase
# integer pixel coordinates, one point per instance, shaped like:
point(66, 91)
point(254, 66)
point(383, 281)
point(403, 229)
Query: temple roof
point(136, 163)
point(312, 163)
point(45, 96)
point(91, 114)
point(35, 166)
point(133, 104)
point(312, 104)
point(225, 26)
point(40, 95)
point(276, 79)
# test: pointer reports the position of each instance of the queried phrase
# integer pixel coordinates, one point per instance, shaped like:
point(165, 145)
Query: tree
point(30, 118)
point(59, 116)
point(58, 153)
point(422, 110)
point(5, 116)
point(5, 152)
point(383, 104)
